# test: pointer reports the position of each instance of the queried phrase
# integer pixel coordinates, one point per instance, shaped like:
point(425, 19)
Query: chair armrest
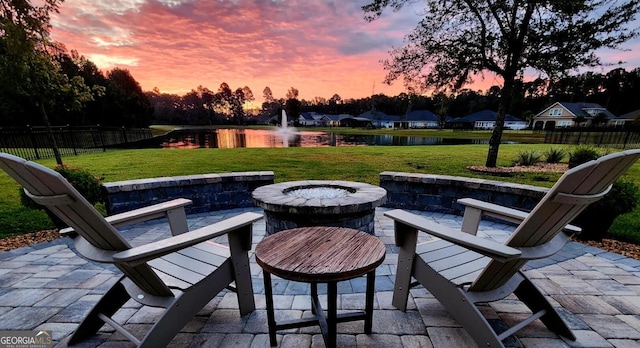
point(166, 246)
point(146, 213)
point(500, 212)
point(481, 245)
point(151, 212)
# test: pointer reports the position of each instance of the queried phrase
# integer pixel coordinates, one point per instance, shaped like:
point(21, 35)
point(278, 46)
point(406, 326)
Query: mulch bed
point(541, 167)
point(28, 239)
point(629, 250)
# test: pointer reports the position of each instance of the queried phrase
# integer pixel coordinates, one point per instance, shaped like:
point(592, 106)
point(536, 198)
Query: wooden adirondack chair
point(181, 273)
point(461, 270)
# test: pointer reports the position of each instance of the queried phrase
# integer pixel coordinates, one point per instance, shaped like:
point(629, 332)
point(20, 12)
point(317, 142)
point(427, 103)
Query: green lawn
point(341, 163)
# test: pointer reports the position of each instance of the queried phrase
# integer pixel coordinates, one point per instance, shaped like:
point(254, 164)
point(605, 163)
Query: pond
point(261, 138)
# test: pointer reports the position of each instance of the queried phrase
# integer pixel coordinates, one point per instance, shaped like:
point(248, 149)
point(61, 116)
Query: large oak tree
point(459, 39)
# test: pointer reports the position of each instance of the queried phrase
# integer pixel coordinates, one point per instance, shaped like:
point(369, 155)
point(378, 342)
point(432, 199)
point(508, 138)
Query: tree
point(248, 94)
point(334, 101)
point(237, 105)
point(166, 107)
point(579, 119)
point(458, 39)
point(292, 105)
point(129, 106)
point(292, 93)
point(31, 79)
point(443, 106)
point(268, 95)
point(599, 119)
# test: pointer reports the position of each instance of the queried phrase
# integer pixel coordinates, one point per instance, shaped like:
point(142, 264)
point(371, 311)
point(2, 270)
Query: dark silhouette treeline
point(118, 99)
point(122, 103)
point(615, 90)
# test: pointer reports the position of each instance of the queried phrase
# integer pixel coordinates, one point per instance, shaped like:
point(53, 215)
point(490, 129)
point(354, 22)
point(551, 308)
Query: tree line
point(614, 90)
point(123, 103)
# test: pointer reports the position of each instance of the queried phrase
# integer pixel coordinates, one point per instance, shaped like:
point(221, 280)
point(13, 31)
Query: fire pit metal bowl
point(319, 203)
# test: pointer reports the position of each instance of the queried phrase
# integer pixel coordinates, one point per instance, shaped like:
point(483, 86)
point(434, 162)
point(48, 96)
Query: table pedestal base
point(326, 322)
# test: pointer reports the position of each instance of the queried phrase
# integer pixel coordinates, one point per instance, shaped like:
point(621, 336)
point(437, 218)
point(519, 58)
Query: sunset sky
point(320, 47)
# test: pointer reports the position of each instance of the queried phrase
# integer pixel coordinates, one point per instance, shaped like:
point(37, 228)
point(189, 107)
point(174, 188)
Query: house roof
point(307, 116)
point(332, 117)
point(421, 115)
point(578, 108)
point(485, 115)
point(356, 118)
point(629, 115)
point(378, 116)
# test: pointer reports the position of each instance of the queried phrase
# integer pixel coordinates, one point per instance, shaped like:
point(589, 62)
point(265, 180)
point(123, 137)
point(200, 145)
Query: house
point(379, 119)
point(330, 120)
point(316, 119)
point(419, 119)
point(624, 120)
point(312, 119)
point(485, 119)
point(306, 119)
point(562, 114)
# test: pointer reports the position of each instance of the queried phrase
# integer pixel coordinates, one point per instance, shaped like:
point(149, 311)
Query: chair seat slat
point(203, 256)
point(174, 270)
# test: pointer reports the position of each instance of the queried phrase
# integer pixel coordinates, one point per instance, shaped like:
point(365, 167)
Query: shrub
point(555, 155)
point(596, 219)
point(582, 154)
point(528, 158)
point(88, 185)
point(622, 198)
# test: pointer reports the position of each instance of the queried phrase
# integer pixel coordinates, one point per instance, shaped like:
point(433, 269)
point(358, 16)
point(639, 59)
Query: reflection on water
point(258, 138)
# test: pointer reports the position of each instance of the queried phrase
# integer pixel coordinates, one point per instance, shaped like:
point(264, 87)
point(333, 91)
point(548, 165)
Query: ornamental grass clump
point(555, 155)
point(583, 154)
point(528, 158)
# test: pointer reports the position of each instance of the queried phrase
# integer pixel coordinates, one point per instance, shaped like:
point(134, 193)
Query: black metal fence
point(605, 137)
point(33, 142)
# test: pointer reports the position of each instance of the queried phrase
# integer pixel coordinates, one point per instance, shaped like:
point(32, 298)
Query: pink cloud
point(320, 47)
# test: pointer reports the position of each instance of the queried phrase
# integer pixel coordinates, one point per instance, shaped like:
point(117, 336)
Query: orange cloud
point(320, 47)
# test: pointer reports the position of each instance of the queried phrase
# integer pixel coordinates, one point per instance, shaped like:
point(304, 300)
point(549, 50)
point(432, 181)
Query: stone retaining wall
point(411, 191)
point(414, 191)
point(209, 192)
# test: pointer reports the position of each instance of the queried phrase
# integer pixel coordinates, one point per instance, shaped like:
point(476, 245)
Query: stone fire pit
point(319, 203)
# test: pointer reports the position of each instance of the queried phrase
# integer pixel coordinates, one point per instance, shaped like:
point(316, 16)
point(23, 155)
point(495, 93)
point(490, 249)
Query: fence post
point(601, 137)
point(124, 135)
point(104, 147)
point(579, 136)
point(626, 138)
point(33, 142)
point(71, 140)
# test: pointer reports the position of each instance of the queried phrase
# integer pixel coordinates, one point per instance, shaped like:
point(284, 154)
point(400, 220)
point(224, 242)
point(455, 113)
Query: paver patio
point(48, 287)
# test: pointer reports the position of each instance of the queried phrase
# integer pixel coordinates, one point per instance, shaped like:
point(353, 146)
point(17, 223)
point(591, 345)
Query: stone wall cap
point(182, 180)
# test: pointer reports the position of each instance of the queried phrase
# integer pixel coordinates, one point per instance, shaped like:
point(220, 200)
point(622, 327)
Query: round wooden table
point(320, 255)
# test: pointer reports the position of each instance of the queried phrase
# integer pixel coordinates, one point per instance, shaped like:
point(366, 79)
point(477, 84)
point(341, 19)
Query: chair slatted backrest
point(577, 188)
point(50, 188)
